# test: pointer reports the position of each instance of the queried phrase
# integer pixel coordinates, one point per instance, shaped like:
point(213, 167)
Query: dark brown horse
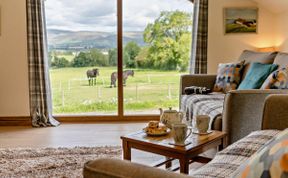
point(126, 74)
point(91, 75)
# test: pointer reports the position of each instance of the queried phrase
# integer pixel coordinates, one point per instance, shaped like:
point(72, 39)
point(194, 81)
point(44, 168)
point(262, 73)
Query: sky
point(241, 13)
point(100, 15)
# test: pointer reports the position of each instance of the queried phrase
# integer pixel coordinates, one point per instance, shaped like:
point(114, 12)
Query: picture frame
point(242, 20)
point(0, 20)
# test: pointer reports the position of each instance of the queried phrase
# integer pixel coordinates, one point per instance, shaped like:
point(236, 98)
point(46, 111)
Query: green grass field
point(145, 92)
point(235, 28)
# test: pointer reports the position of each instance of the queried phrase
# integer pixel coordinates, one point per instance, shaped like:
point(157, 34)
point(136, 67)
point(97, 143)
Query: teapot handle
point(181, 114)
point(190, 132)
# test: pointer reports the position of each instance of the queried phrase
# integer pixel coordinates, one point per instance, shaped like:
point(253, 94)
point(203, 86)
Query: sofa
point(235, 105)
point(227, 163)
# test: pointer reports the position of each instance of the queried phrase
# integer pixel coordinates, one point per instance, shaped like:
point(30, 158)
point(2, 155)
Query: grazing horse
point(114, 77)
point(91, 75)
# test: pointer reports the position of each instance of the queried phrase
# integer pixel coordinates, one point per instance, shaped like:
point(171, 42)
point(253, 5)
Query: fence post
point(169, 91)
point(136, 92)
point(63, 98)
point(60, 86)
point(69, 85)
point(99, 92)
point(149, 78)
point(103, 83)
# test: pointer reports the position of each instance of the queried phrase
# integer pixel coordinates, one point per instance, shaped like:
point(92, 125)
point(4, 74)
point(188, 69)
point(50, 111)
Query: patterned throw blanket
point(226, 162)
point(211, 104)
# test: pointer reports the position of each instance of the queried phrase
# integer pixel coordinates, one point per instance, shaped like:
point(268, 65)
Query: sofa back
point(281, 59)
point(275, 113)
point(253, 56)
point(243, 112)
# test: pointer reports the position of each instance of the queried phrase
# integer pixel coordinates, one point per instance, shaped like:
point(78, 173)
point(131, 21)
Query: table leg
point(184, 165)
point(169, 164)
point(224, 143)
point(126, 150)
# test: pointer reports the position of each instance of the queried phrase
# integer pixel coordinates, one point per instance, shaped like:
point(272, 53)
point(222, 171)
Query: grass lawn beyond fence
point(146, 91)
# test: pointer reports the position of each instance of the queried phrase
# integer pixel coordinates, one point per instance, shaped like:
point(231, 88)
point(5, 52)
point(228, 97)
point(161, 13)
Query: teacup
point(179, 131)
point(202, 123)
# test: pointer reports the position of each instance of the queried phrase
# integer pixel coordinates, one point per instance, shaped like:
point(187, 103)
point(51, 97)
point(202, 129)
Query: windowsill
point(105, 118)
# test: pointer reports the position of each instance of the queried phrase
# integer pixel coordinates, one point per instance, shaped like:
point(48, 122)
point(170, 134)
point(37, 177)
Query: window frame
point(120, 115)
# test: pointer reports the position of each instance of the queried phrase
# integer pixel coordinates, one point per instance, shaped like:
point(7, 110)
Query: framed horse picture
point(240, 20)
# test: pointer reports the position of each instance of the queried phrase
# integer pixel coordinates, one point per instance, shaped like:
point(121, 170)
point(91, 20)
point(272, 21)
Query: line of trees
point(96, 57)
point(168, 41)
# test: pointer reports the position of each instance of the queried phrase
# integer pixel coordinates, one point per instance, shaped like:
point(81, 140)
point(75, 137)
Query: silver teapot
point(169, 117)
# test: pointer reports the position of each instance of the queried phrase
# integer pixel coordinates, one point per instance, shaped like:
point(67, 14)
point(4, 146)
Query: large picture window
point(85, 39)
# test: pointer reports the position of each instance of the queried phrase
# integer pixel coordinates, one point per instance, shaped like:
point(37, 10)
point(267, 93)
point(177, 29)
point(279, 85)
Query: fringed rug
point(50, 162)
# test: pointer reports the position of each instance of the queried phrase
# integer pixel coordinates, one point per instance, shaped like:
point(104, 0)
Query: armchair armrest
point(243, 111)
point(275, 115)
point(199, 80)
point(113, 168)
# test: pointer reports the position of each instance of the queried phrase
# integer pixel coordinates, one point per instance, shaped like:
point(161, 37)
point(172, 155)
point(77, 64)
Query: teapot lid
point(170, 110)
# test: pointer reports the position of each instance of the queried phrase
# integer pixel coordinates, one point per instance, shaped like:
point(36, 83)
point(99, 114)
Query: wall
point(14, 96)
point(282, 31)
point(226, 48)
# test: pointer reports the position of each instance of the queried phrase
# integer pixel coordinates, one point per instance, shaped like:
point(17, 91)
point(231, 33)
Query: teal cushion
point(256, 75)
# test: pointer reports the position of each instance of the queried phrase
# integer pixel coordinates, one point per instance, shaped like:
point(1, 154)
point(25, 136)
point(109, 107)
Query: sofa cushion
point(228, 161)
point(277, 80)
point(253, 56)
point(228, 77)
point(270, 161)
point(256, 75)
point(281, 59)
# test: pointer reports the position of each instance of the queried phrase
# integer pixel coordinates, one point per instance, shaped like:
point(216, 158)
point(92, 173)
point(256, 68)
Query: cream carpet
point(50, 162)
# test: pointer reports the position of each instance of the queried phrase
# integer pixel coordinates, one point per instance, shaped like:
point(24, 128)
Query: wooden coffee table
point(186, 154)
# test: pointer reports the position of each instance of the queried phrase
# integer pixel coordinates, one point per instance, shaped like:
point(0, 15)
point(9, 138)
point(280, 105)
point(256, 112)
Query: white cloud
point(100, 15)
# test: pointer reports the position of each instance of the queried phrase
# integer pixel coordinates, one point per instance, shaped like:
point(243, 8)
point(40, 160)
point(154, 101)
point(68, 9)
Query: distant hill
point(71, 40)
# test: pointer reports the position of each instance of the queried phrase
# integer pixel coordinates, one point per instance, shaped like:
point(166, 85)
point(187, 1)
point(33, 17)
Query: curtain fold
point(198, 62)
point(39, 82)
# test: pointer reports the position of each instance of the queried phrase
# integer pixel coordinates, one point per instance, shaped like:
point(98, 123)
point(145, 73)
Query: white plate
point(157, 134)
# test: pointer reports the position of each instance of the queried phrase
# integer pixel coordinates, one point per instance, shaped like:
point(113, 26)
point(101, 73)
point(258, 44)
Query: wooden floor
point(71, 135)
point(67, 135)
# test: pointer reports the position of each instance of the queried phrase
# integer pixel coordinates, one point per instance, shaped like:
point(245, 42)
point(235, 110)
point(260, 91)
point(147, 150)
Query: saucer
point(204, 133)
